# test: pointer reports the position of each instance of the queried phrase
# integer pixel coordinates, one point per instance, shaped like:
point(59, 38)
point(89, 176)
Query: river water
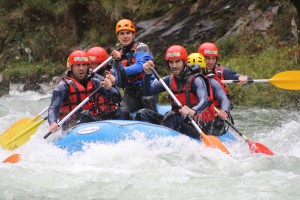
point(174, 168)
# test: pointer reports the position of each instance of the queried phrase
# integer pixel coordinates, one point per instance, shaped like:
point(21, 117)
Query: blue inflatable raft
point(114, 131)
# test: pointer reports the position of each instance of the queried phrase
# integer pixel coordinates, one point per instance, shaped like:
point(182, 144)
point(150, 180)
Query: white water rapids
point(169, 168)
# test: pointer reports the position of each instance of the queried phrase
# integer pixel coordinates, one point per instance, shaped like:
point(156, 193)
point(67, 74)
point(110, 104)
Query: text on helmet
point(81, 59)
point(92, 58)
point(174, 54)
point(207, 51)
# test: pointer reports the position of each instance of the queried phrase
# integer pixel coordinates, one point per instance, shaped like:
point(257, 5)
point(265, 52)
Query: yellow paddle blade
point(213, 141)
point(13, 158)
point(289, 80)
point(22, 121)
point(18, 123)
point(17, 136)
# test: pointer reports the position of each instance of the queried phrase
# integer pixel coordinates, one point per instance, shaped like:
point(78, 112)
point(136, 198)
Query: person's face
point(176, 66)
point(94, 65)
point(125, 37)
point(80, 71)
point(210, 62)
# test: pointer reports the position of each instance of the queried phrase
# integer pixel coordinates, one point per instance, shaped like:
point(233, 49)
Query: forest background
point(257, 38)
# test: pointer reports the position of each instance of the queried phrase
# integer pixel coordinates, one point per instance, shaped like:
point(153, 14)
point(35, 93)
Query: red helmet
point(176, 52)
point(208, 49)
point(125, 24)
point(97, 55)
point(77, 57)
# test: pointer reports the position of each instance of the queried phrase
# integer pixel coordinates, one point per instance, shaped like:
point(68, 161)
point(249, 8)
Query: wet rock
point(33, 84)
point(29, 86)
point(255, 20)
point(4, 85)
point(45, 79)
point(200, 23)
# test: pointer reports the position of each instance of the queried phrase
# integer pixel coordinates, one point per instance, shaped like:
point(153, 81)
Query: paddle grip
point(47, 135)
point(249, 81)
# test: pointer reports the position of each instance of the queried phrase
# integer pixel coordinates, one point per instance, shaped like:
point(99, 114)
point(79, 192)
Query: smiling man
point(129, 67)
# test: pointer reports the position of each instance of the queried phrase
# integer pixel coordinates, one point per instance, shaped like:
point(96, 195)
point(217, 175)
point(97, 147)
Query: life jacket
point(128, 60)
point(218, 75)
point(97, 105)
point(186, 97)
point(209, 113)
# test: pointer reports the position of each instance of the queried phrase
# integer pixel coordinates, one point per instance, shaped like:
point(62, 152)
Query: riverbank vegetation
point(38, 36)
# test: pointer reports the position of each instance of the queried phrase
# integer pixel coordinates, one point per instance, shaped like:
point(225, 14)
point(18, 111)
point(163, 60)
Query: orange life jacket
point(128, 61)
point(97, 105)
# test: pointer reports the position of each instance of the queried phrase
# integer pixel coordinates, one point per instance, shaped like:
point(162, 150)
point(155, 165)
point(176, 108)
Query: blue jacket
point(141, 55)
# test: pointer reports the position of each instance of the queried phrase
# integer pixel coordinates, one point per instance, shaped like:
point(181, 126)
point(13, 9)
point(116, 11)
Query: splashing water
point(164, 168)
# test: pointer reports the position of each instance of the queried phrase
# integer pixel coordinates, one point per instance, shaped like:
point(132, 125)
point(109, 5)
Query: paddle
point(61, 122)
point(289, 80)
point(16, 157)
point(18, 135)
point(12, 159)
point(25, 125)
point(20, 132)
point(254, 147)
point(208, 140)
point(25, 120)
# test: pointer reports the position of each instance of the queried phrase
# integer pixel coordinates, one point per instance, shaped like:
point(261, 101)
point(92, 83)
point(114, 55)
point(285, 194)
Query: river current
point(173, 168)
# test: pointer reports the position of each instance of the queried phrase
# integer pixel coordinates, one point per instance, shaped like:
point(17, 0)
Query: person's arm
point(119, 72)
point(156, 87)
point(220, 95)
point(59, 94)
point(112, 93)
point(199, 88)
point(232, 75)
point(142, 54)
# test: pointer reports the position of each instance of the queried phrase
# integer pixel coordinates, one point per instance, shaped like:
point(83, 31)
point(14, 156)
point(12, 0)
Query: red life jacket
point(209, 113)
point(128, 61)
point(218, 75)
point(186, 97)
point(97, 105)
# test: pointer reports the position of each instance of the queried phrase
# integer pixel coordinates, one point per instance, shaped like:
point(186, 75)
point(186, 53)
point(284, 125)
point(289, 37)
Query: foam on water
point(164, 168)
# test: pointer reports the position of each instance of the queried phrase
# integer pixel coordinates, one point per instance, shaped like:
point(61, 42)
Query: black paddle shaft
point(234, 128)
